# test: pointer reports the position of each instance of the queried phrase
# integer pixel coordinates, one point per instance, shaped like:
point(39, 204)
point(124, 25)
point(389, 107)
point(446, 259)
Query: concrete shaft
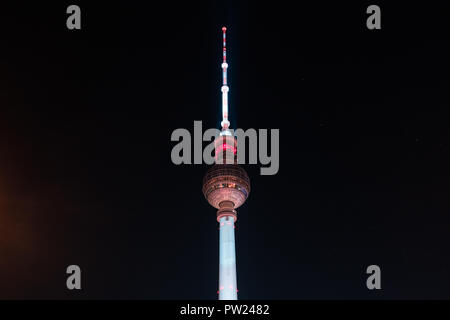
point(227, 260)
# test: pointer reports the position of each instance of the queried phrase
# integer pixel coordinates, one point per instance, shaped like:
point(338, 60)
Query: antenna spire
point(225, 123)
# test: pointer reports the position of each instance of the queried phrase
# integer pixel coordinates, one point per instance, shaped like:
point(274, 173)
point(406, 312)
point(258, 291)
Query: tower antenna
point(225, 123)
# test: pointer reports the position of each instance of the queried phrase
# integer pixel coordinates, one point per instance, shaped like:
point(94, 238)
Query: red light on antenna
point(224, 29)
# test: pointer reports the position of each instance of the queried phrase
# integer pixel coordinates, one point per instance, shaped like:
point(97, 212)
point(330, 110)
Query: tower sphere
point(225, 183)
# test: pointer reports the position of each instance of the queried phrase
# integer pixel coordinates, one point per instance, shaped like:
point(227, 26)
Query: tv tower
point(226, 186)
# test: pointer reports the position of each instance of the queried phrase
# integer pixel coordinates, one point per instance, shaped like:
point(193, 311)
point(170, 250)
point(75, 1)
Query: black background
point(86, 176)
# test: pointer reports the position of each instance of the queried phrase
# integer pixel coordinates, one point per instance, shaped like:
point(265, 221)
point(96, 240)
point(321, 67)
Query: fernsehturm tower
point(226, 187)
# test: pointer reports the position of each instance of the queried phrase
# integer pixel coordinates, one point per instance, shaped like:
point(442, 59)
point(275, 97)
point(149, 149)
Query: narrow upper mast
point(225, 123)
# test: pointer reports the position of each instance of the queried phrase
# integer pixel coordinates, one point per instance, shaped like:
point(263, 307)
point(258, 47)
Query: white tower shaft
point(227, 260)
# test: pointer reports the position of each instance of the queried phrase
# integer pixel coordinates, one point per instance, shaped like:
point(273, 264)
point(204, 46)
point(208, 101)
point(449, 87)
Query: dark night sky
point(85, 170)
